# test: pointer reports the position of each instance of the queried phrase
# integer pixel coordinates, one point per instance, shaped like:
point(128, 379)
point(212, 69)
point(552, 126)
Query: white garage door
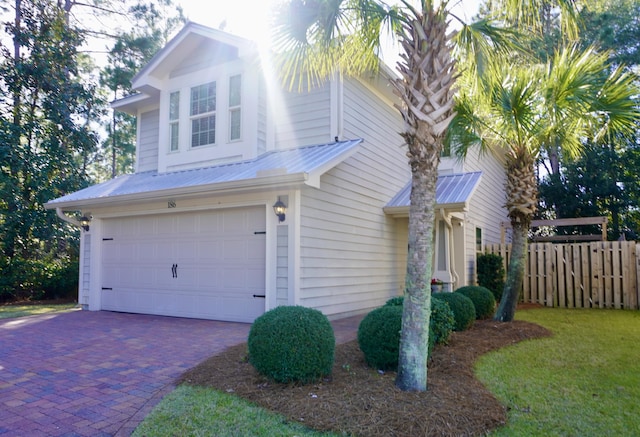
point(208, 265)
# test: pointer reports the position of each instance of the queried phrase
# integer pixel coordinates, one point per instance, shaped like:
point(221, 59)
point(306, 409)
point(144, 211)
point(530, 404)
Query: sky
point(250, 18)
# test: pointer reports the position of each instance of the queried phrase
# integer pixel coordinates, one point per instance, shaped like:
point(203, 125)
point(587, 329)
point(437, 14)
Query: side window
point(203, 114)
point(235, 113)
point(479, 240)
point(174, 123)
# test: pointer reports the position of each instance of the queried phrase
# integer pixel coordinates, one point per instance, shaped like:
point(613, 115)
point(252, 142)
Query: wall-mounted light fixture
point(84, 222)
point(280, 209)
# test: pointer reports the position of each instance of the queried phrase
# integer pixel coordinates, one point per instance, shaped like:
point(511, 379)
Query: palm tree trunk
point(515, 275)
point(412, 365)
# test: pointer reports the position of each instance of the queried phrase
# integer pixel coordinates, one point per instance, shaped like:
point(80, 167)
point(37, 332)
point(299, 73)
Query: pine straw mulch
point(357, 400)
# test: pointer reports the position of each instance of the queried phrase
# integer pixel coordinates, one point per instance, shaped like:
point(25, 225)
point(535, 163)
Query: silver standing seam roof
point(296, 165)
point(452, 190)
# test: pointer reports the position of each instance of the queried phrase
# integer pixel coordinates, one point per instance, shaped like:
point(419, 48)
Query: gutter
point(66, 218)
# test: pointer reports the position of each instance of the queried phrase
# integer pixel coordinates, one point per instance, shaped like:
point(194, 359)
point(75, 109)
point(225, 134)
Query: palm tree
point(521, 109)
point(320, 37)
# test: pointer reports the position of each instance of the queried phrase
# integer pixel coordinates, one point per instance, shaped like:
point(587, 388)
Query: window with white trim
point(235, 113)
point(174, 121)
point(479, 240)
point(203, 114)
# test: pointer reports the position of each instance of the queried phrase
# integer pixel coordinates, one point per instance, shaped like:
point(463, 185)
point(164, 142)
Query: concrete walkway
point(84, 373)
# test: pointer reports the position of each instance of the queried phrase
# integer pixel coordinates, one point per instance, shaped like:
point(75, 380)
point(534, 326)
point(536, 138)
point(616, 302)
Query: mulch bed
point(357, 400)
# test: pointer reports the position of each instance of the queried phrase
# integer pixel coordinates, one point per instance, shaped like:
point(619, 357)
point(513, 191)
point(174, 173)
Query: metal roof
point(298, 165)
point(451, 190)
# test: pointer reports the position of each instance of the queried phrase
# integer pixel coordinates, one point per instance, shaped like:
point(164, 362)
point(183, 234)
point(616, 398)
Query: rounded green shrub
point(395, 301)
point(379, 337)
point(292, 343)
point(463, 310)
point(482, 299)
point(441, 322)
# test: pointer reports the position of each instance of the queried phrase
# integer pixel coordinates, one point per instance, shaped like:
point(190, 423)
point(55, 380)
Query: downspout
point(452, 259)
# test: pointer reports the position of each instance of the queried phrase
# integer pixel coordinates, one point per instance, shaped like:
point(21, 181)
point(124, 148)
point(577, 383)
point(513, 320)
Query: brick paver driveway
point(97, 373)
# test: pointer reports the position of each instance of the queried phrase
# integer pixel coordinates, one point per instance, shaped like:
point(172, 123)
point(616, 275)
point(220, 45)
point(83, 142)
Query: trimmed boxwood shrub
point(441, 322)
point(482, 299)
point(463, 310)
point(292, 343)
point(379, 337)
point(491, 273)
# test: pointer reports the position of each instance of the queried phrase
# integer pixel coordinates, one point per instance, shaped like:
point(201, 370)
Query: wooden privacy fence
point(602, 274)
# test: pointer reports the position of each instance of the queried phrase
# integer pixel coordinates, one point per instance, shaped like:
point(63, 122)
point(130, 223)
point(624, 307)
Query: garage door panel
point(220, 264)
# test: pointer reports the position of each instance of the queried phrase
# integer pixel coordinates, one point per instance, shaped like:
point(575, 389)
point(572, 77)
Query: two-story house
point(247, 196)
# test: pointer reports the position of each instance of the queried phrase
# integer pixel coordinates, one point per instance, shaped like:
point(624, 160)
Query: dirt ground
point(357, 400)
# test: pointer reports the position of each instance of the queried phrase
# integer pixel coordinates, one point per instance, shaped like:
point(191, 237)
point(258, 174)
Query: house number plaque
point(171, 204)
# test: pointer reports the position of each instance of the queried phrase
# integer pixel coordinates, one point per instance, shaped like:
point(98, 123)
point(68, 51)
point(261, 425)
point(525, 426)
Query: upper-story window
point(203, 114)
point(174, 121)
point(235, 114)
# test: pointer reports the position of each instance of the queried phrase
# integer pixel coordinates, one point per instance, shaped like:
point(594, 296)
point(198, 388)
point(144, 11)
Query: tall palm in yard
point(520, 109)
point(322, 37)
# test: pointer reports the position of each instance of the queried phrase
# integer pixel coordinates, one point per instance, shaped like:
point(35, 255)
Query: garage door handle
point(259, 295)
point(174, 270)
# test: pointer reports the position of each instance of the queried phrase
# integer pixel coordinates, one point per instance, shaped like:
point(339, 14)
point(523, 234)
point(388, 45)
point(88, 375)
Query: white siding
point(486, 209)
point(349, 250)
point(282, 266)
point(305, 119)
point(147, 149)
point(262, 118)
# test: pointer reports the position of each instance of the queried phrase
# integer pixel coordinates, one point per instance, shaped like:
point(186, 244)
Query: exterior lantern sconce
point(84, 222)
point(280, 209)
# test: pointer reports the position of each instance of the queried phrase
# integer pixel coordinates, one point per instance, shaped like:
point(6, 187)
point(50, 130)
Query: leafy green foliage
point(491, 273)
point(463, 309)
point(482, 299)
point(379, 337)
point(441, 322)
point(292, 343)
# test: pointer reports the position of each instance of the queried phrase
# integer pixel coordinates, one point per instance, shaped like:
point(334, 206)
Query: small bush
point(292, 343)
point(463, 310)
point(441, 322)
point(482, 299)
point(379, 337)
point(491, 273)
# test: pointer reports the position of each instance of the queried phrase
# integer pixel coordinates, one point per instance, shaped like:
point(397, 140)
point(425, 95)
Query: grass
point(197, 411)
point(583, 381)
point(13, 311)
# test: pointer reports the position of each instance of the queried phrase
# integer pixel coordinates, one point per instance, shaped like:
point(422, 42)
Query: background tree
point(44, 139)
point(600, 182)
point(152, 24)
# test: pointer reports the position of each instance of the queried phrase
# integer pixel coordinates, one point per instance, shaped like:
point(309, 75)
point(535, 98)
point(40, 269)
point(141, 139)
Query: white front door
point(207, 264)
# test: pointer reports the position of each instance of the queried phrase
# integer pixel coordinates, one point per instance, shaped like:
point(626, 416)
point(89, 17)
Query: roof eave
point(403, 211)
point(252, 184)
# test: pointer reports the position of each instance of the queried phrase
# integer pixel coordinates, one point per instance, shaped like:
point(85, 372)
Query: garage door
point(208, 265)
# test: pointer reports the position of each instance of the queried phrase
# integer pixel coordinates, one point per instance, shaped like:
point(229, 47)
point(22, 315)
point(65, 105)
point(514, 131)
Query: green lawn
point(12, 311)
point(584, 381)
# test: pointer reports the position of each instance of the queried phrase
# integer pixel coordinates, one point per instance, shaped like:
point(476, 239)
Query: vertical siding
point(282, 266)
point(148, 142)
point(262, 118)
point(305, 119)
point(349, 250)
point(486, 209)
point(85, 272)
